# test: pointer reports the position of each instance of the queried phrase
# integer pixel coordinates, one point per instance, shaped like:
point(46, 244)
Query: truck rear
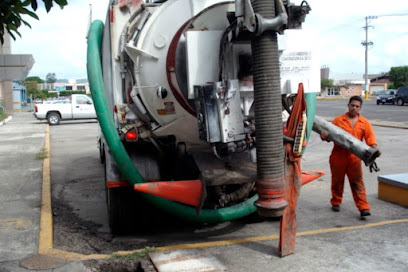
point(192, 97)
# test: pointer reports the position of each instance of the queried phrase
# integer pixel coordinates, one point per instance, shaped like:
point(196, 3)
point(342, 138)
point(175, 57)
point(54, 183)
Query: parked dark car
point(401, 96)
point(386, 96)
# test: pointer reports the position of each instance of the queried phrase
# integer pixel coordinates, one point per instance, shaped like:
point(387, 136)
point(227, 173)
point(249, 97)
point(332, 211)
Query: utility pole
point(366, 43)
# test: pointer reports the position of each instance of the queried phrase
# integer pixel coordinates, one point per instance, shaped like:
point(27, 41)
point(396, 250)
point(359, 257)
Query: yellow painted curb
point(45, 240)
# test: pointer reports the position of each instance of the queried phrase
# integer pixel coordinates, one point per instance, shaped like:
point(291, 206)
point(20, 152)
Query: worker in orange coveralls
point(343, 162)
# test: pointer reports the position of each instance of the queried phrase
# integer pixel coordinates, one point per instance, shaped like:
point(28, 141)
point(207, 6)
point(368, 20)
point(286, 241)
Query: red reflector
point(284, 128)
point(115, 109)
point(111, 16)
point(131, 136)
point(35, 109)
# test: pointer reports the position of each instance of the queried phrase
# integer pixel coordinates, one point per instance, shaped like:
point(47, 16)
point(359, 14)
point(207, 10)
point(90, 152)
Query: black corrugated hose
point(268, 114)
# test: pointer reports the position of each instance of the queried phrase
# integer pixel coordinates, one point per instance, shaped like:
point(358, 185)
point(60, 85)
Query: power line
point(396, 14)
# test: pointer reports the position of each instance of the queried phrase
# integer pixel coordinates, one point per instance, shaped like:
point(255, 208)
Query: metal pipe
point(267, 101)
point(346, 140)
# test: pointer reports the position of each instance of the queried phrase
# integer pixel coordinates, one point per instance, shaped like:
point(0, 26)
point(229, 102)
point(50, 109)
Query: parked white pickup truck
point(81, 107)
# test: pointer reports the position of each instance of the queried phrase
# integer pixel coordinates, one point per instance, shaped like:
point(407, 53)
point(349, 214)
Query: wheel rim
point(53, 119)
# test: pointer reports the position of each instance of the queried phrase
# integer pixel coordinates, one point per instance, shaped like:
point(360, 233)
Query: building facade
point(72, 85)
point(13, 67)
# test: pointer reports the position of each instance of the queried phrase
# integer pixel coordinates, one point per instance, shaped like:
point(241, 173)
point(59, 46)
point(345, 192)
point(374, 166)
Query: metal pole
point(366, 58)
point(366, 43)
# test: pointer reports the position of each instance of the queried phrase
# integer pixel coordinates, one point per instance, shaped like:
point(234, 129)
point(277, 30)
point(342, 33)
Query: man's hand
point(375, 147)
point(324, 135)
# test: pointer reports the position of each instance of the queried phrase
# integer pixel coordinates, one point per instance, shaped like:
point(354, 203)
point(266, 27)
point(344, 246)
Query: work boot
point(365, 213)
point(336, 208)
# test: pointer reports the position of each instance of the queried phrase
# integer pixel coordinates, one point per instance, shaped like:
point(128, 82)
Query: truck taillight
point(35, 109)
point(111, 15)
point(284, 128)
point(131, 136)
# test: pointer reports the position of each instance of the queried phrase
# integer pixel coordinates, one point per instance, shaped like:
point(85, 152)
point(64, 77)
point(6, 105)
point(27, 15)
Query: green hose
point(310, 113)
point(122, 159)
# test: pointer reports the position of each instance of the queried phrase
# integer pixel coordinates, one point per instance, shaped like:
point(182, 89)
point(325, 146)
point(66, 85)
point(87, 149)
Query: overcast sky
point(57, 41)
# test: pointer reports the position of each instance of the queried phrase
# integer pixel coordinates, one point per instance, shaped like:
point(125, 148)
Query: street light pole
point(366, 58)
point(366, 43)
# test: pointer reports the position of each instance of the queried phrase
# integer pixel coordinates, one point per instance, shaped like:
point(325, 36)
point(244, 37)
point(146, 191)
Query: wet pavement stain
point(14, 224)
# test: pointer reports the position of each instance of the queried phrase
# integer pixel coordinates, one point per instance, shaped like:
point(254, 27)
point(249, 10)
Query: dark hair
point(357, 98)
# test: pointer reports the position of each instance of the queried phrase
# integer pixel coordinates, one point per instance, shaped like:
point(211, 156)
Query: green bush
point(68, 93)
point(3, 115)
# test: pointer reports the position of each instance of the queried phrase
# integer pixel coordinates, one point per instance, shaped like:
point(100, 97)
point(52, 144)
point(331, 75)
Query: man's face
point(354, 108)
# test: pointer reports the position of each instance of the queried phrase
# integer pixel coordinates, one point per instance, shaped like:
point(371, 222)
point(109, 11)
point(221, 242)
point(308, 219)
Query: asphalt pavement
point(326, 241)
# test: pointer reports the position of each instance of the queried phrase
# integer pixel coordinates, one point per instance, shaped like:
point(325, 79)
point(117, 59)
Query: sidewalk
point(20, 197)
point(3, 122)
point(21, 146)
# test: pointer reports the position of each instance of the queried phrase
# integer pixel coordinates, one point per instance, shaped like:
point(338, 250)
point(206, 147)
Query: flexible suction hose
point(268, 115)
point(124, 163)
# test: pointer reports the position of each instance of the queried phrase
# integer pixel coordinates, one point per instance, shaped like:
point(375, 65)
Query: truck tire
point(101, 151)
point(121, 210)
point(53, 118)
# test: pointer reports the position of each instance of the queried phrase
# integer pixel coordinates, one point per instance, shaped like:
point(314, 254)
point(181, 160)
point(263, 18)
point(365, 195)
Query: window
point(82, 100)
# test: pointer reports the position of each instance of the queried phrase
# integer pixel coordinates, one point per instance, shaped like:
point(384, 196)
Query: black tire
point(121, 210)
point(101, 152)
point(400, 102)
point(53, 118)
point(383, 103)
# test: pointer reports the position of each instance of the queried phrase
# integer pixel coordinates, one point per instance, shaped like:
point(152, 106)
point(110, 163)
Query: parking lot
point(327, 241)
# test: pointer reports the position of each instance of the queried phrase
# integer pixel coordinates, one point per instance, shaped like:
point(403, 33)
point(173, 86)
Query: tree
point(35, 78)
point(11, 11)
point(325, 83)
point(391, 86)
point(399, 76)
point(51, 78)
point(32, 89)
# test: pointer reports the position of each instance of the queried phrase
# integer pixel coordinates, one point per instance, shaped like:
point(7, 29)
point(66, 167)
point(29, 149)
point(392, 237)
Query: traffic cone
point(310, 175)
point(190, 192)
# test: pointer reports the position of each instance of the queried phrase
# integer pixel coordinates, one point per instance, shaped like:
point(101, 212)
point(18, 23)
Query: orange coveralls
point(342, 162)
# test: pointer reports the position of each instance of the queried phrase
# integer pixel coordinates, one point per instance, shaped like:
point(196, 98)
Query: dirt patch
point(119, 266)
point(75, 235)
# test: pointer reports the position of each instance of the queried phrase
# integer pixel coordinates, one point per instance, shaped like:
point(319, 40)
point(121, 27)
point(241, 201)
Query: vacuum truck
point(203, 112)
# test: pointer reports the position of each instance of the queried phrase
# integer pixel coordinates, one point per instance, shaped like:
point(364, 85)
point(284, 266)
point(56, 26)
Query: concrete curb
point(5, 120)
point(338, 99)
point(389, 126)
